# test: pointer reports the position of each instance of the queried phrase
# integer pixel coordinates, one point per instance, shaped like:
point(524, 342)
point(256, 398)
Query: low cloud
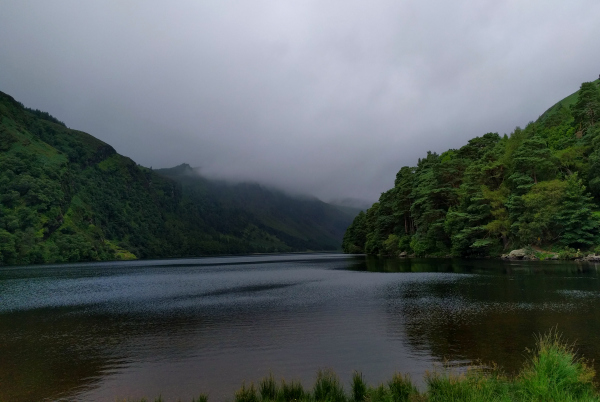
point(325, 98)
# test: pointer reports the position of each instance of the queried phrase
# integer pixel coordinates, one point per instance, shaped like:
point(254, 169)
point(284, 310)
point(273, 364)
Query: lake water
point(118, 330)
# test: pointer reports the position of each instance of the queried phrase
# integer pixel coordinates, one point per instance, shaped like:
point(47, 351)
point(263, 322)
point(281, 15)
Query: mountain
point(67, 196)
point(537, 188)
point(302, 223)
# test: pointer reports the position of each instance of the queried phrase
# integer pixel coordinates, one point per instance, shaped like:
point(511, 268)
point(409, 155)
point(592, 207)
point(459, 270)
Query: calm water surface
point(112, 331)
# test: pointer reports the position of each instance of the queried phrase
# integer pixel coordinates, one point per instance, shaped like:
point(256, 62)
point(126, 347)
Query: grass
point(553, 372)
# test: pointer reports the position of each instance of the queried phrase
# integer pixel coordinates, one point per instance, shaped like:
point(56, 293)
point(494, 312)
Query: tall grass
point(328, 387)
point(554, 372)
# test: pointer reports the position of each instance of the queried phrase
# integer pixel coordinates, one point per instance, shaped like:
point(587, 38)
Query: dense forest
point(67, 196)
point(538, 187)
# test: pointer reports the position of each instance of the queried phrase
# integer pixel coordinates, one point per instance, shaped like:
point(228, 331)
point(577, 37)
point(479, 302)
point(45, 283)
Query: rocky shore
point(525, 254)
point(534, 255)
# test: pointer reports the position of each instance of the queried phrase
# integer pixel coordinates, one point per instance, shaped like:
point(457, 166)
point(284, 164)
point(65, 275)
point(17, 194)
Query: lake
point(117, 330)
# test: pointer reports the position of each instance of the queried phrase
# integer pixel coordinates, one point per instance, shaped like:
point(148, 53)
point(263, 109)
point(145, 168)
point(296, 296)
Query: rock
point(554, 257)
point(592, 258)
point(517, 254)
point(403, 254)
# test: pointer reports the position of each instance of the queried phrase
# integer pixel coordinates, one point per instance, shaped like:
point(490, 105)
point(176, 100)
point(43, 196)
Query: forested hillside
point(538, 187)
point(67, 196)
point(301, 223)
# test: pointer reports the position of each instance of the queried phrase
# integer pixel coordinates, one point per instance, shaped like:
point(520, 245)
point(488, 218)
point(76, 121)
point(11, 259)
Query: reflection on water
point(104, 331)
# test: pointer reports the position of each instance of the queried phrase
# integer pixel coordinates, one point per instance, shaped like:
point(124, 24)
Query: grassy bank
point(552, 373)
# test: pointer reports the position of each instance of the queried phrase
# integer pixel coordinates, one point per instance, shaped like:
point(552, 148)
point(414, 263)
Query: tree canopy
point(538, 186)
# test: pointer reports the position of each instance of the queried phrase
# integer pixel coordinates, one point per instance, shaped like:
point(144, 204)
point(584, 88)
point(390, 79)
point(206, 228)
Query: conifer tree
point(579, 227)
point(356, 235)
point(586, 110)
point(533, 158)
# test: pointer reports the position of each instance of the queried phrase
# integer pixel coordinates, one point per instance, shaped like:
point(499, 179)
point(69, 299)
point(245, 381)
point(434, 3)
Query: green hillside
point(67, 196)
point(539, 187)
point(302, 223)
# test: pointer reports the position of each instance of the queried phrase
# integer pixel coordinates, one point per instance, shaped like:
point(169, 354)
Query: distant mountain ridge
point(67, 196)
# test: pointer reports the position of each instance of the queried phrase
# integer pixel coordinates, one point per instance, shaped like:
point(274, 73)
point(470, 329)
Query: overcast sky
point(329, 98)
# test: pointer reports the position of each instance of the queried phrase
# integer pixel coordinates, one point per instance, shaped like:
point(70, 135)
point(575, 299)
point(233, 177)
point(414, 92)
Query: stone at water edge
point(517, 254)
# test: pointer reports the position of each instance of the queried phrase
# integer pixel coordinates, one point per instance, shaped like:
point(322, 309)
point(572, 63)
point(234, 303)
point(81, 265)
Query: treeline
point(538, 186)
point(43, 115)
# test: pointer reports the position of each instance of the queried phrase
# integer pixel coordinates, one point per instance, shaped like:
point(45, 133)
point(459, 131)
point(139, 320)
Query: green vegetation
point(66, 196)
point(538, 187)
point(552, 373)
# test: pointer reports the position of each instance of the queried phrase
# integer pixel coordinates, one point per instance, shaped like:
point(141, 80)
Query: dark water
point(112, 331)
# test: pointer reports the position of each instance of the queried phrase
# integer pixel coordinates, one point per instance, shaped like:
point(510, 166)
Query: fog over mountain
point(326, 98)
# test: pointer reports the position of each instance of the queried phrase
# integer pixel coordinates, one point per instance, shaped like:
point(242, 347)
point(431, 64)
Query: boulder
point(517, 254)
point(592, 258)
point(403, 254)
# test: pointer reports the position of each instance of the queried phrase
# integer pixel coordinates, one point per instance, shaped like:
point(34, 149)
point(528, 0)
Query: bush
point(568, 253)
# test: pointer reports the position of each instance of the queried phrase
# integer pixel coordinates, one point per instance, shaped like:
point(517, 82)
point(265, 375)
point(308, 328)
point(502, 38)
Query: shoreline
point(522, 254)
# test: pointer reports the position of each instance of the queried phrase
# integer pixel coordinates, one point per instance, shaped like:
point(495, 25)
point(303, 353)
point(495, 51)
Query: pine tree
point(534, 158)
point(575, 217)
point(586, 110)
point(356, 235)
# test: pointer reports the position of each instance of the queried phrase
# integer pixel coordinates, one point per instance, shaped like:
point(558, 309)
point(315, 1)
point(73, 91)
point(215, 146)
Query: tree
point(536, 222)
point(578, 225)
point(533, 158)
point(356, 235)
point(586, 110)
point(403, 187)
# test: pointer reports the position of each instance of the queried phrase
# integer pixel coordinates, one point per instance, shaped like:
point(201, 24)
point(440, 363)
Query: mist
point(329, 99)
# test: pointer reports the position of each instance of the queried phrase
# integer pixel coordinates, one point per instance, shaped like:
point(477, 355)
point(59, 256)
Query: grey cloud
point(327, 98)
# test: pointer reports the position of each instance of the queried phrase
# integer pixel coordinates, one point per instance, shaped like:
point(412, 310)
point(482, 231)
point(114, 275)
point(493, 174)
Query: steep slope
point(560, 108)
point(67, 196)
point(302, 223)
point(538, 187)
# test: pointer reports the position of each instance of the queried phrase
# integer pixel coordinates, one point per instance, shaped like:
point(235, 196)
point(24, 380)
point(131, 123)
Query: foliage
point(328, 388)
point(355, 236)
point(359, 387)
point(586, 110)
point(578, 225)
point(555, 373)
point(45, 116)
point(246, 394)
point(66, 196)
point(496, 193)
